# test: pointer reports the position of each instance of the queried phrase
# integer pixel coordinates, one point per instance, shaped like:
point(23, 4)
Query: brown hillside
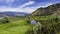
point(52, 9)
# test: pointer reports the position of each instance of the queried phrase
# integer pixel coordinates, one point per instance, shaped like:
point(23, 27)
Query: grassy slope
point(20, 26)
point(16, 27)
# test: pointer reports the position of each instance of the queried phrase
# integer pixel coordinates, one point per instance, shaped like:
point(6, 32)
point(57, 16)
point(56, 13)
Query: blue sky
point(27, 6)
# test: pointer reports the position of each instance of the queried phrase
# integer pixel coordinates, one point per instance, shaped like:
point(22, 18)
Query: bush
point(5, 20)
point(52, 28)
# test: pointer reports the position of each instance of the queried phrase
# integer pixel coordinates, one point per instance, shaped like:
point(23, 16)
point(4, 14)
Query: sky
point(27, 6)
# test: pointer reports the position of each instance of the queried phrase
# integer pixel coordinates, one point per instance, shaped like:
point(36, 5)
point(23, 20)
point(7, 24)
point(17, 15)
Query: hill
point(12, 14)
point(52, 9)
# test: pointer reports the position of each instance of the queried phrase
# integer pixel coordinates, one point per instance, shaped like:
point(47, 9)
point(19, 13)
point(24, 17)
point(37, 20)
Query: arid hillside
point(52, 9)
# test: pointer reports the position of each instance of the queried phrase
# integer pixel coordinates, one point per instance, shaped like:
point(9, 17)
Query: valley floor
point(17, 26)
point(13, 28)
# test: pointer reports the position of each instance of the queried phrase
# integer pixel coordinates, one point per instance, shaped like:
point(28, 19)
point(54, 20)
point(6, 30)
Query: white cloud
point(18, 9)
point(27, 10)
point(28, 3)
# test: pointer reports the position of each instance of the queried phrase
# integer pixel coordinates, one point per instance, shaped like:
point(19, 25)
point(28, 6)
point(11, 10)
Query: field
point(15, 27)
point(20, 26)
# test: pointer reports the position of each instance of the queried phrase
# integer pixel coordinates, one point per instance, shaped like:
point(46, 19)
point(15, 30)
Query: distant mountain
point(52, 9)
point(12, 14)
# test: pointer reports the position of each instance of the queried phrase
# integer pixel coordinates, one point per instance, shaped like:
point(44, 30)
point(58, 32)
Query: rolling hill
point(12, 14)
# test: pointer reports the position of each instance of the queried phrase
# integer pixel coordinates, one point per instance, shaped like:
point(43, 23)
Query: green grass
point(14, 27)
point(17, 26)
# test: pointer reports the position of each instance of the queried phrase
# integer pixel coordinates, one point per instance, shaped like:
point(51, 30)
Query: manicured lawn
point(16, 27)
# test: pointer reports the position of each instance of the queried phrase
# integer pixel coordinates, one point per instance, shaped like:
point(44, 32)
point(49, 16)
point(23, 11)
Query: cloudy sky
point(27, 6)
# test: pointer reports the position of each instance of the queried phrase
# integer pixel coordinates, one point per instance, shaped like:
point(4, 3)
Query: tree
point(5, 20)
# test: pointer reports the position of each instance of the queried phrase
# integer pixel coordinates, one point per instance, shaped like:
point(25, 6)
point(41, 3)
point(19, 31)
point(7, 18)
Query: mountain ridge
point(52, 9)
point(12, 14)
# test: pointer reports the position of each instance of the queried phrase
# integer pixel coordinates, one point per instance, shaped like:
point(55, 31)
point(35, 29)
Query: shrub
point(5, 20)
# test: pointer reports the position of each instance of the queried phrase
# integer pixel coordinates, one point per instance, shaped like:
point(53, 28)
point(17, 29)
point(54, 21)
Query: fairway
point(16, 27)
